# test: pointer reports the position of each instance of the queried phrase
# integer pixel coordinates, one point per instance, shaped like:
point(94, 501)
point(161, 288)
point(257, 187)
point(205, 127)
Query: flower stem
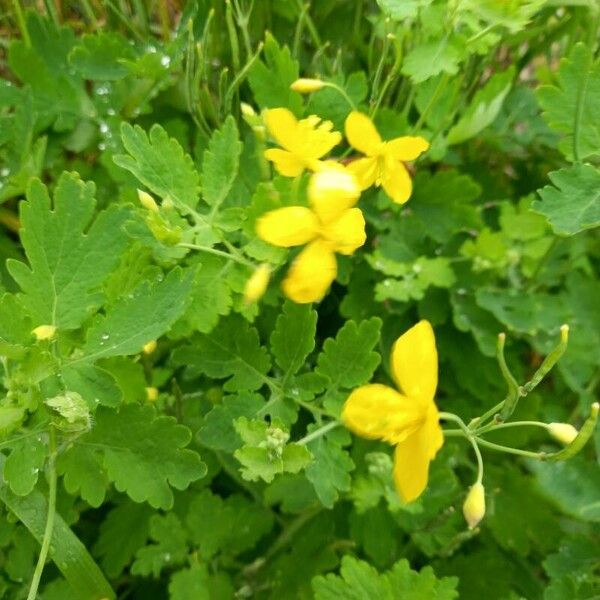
point(39, 568)
point(472, 439)
point(509, 450)
point(317, 433)
point(208, 250)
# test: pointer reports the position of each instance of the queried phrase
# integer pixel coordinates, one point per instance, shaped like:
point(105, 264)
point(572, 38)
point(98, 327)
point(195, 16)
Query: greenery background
point(498, 236)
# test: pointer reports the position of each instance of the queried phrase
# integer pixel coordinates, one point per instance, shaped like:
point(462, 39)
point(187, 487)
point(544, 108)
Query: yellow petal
point(365, 171)
point(314, 138)
point(311, 273)
point(44, 332)
point(407, 147)
point(414, 362)
point(361, 133)
point(396, 180)
point(347, 232)
point(285, 162)
point(331, 191)
point(377, 411)
point(413, 455)
point(282, 126)
point(257, 284)
point(288, 226)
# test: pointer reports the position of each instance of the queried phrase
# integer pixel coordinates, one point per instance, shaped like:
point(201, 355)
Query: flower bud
point(307, 86)
point(474, 506)
point(151, 394)
point(247, 110)
point(147, 201)
point(150, 347)
point(257, 284)
point(44, 332)
point(72, 412)
point(563, 432)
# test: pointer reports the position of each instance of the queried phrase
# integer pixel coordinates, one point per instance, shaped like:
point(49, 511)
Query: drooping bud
point(562, 432)
point(150, 347)
point(151, 394)
point(44, 332)
point(474, 505)
point(257, 284)
point(307, 86)
point(147, 201)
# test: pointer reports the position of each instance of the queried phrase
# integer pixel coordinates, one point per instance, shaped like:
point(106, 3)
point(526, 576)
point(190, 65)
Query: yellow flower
point(383, 163)
point(304, 142)
point(150, 347)
point(474, 505)
point(330, 225)
point(257, 284)
point(408, 420)
point(44, 332)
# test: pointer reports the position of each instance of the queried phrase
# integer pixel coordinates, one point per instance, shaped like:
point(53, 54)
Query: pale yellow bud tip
point(150, 347)
point(563, 432)
point(247, 110)
point(257, 284)
point(147, 201)
point(564, 332)
point(44, 332)
point(474, 506)
point(151, 394)
point(307, 86)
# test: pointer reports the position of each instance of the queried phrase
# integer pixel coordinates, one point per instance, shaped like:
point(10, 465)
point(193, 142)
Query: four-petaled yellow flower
point(330, 225)
point(304, 142)
point(408, 420)
point(383, 163)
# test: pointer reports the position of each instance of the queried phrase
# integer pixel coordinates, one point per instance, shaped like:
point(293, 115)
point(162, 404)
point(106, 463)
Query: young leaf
point(349, 360)
point(293, 338)
point(270, 81)
point(360, 581)
point(483, 109)
point(220, 163)
point(218, 430)
point(160, 163)
point(432, 58)
point(144, 316)
point(233, 350)
point(330, 471)
point(195, 583)
point(573, 203)
point(573, 106)
point(100, 56)
point(143, 455)
point(67, 264)
point(83, 474)
point(23, 465)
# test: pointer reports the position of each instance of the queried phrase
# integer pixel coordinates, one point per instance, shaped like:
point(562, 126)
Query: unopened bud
point(151, 394)
point(150, 347)
point(147, 201)
point(72, 412)
point(44, 332)
point(307, 86)
point(257, 284)
point(247, 110)
point(474, 506)
point(563, 432)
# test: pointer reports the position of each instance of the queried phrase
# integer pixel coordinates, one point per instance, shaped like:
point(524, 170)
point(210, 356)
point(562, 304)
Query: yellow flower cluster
point(331, 224)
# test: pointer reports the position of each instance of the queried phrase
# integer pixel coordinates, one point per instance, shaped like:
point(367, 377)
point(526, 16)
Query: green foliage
point(361, 581)
point(164, 433)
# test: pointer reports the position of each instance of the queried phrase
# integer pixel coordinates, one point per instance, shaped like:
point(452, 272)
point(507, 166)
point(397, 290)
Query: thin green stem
point(495, 426)
point(216, 252)
point(39, 568)
point(486, 415)
point(21, 23)
point(438, 90)
point(509, 450)
point(341, 91)
point(317, 433)
point(472, 440)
